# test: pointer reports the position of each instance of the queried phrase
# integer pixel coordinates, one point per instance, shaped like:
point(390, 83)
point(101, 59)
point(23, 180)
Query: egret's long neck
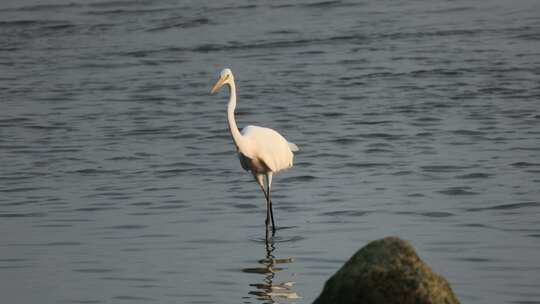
point(235, 133)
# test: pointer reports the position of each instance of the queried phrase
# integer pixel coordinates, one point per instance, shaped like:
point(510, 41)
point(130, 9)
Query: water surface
point(119, 182)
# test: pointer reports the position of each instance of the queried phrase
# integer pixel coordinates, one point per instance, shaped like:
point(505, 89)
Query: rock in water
point(386, 271)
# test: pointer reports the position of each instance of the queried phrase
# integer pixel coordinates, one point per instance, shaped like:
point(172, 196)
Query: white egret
point(262, 151)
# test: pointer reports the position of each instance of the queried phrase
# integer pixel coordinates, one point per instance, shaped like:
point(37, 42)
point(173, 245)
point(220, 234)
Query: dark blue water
point(119, 182)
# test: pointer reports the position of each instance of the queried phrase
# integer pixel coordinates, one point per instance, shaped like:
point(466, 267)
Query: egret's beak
point(218, 85)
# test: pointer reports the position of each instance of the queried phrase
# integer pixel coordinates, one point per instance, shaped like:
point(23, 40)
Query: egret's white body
point(262, 151)
point(265, 150)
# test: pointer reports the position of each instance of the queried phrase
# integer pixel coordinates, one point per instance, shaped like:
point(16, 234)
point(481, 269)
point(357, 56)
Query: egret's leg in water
point(268, 187)
point(260, 180)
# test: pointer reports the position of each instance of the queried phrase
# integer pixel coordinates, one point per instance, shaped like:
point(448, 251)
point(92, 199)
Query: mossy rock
point(386, 271)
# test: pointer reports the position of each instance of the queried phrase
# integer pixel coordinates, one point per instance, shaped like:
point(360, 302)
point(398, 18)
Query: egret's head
point(225, 77)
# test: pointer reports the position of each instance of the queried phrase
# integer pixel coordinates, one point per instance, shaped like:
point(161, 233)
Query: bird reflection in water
point(269, 291)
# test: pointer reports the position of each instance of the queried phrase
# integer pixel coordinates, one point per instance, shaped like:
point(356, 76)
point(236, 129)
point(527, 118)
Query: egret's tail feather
point(293, 147)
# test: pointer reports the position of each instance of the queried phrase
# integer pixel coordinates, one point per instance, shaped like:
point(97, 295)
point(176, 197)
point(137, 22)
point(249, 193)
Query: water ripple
point(506, 206)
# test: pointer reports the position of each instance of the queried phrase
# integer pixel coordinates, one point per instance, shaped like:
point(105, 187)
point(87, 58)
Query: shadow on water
point(270, 290)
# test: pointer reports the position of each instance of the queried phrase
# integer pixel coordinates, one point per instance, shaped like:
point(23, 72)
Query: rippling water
point(119, 182)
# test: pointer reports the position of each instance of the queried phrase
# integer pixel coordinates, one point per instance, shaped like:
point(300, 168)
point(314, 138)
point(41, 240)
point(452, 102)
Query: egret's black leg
point(271, 213)
point(267, 211)
point(266, 233)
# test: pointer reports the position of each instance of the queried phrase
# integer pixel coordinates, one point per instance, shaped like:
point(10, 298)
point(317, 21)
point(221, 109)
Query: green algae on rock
point(386, 271)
